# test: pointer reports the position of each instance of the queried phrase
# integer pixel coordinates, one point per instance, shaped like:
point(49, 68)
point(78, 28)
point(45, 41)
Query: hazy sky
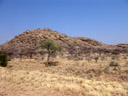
point(103, 20)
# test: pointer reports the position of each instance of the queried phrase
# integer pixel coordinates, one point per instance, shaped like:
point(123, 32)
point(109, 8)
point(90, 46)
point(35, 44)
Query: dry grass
point(68, 78)
point(77, 85)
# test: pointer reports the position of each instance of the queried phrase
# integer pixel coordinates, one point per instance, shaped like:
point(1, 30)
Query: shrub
point(96, 59)
point(3, 60)
point(113, 57)
point(89, 59)
point(108, 70)
point(114, 64)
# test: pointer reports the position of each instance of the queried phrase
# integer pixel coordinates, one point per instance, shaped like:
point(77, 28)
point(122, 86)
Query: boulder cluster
point(73, 47)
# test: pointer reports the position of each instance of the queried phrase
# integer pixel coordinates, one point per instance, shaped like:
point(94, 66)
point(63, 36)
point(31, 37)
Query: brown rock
point(76, 47)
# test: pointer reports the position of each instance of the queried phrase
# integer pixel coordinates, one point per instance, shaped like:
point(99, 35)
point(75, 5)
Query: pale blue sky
point(103, 20)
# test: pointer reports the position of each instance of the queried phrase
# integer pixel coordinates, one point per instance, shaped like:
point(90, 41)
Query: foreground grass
point(29, 77)
point(75, 85)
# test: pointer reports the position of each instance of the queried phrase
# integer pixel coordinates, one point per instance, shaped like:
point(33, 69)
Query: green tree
point(51, 49)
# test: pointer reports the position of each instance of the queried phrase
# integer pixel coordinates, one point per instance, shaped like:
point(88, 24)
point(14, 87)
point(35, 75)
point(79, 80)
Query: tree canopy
point(50, 48)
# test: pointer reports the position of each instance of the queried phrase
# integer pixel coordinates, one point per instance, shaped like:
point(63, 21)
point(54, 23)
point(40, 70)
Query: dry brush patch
point(75, 85)
point(82, 69)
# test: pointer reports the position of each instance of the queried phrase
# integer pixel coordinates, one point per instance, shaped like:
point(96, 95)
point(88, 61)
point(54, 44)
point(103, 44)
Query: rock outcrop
point(75, 47)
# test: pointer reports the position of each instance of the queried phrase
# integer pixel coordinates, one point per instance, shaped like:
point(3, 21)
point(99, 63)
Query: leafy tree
point(51, 49)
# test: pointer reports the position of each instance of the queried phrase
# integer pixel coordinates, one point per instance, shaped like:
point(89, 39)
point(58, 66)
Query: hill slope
point(73, 46)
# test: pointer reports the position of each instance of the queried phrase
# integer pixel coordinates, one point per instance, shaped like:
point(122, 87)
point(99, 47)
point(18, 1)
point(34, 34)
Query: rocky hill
point(75, 47)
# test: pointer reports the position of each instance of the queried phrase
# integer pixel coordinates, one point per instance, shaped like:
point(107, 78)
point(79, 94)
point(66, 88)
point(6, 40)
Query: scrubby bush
point(3, 60)
point(108, 70)
point(113, 57)
point(114, 64)
point(89, 59)
point(96, 59)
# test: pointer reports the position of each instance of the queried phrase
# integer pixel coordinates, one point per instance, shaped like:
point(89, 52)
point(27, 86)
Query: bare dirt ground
point(29, 77)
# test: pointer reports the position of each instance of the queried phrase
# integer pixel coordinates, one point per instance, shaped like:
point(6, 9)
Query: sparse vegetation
point(89, 59)
point(108, 70)
point(51, 49)
point(113, 64)
point(113, 57)
point(96, 59)
point(76, 78)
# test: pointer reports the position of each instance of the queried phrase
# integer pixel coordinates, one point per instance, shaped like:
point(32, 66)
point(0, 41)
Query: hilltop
point(73, 47)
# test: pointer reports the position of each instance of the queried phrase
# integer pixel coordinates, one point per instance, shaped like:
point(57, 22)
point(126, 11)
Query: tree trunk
point(47, 61)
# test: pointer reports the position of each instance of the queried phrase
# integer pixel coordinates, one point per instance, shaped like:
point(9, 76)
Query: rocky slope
point(75, 47)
